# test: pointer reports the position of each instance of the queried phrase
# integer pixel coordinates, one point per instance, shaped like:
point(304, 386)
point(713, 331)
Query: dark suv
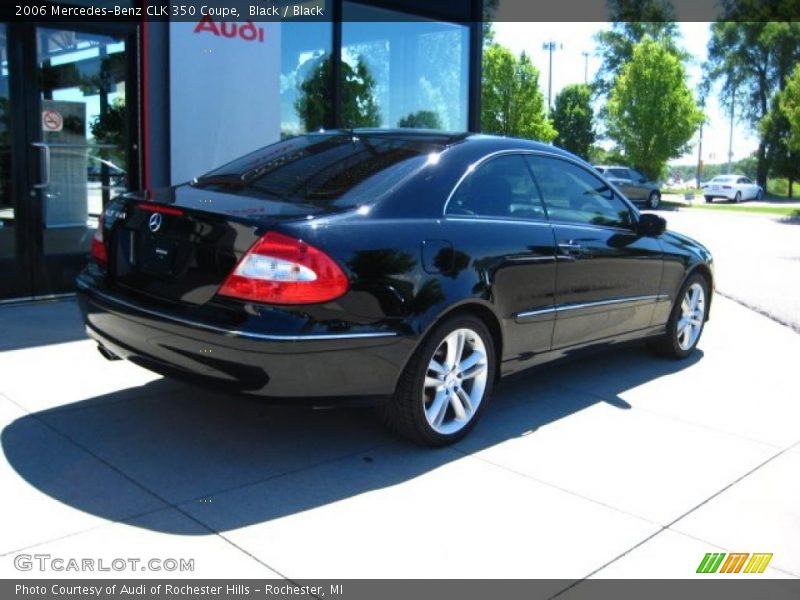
point(633, 184)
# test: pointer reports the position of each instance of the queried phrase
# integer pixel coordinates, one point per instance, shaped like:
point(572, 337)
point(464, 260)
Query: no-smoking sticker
point(52, 120)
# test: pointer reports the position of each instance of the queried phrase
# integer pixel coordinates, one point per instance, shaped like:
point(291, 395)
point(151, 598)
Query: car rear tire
point(686, 321)
point(709, 199)
point(446, 384)
point(737, 198)
point(654, 200)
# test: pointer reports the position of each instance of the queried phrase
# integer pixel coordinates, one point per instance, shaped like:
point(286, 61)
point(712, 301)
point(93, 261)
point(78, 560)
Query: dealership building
point(89, 108)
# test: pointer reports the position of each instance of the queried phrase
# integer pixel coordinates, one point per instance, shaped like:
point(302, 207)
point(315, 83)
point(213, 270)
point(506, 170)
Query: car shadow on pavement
point(231, 462)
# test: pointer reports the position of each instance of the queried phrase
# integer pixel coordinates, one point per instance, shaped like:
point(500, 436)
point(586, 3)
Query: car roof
point(448, 138)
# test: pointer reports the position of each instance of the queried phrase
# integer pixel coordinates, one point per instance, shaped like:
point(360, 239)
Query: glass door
point(83, 144)
point(15, 273)
point(68, 144)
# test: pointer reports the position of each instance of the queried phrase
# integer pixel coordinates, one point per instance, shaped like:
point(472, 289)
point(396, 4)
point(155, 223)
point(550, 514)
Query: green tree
point(511, 103)
point(489, 10)
point(358, 105)
point(631, 21)
point(789, 101)
point(600, 156)
point(109, 127)
point(422, 119)
point(573, 118)
point(652, 114)
point(751, 51)
point(782, 149)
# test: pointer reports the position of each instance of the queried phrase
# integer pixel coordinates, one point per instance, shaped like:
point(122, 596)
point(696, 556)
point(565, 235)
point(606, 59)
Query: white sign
point(224, 92)
point(52, 120)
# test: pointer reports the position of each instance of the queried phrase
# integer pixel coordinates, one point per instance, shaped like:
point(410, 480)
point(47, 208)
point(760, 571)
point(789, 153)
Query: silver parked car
point(734, 188)
point(633, 184)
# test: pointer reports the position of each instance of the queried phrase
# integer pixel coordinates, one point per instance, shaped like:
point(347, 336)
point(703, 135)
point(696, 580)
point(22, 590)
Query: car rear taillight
point(282, 270)
point(98, 245)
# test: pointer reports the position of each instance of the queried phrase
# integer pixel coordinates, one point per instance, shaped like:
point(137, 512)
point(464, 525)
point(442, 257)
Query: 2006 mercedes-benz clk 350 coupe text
point(415, 267)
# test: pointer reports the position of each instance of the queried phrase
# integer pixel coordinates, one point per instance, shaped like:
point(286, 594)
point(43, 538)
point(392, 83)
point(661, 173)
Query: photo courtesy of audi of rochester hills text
point(395, 299)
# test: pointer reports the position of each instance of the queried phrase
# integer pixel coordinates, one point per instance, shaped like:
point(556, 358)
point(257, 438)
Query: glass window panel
point(501, 187)
point(402, 73)
point(84, 123)
point(318, 170)
point(7, 220)
point(573, 194)
point(306, 104)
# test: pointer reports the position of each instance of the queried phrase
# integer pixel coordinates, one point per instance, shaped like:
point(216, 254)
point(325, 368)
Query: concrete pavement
point(756, 258)
point(621, 465)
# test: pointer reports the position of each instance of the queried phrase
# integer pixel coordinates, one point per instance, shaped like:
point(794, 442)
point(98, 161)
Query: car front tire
point(446, 384)
point(686, 321)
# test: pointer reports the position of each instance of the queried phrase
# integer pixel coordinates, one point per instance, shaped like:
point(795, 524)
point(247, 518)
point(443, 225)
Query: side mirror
point(651, 225)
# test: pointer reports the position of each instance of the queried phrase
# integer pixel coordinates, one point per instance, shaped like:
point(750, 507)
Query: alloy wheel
point(693, 314)
point(455, 381)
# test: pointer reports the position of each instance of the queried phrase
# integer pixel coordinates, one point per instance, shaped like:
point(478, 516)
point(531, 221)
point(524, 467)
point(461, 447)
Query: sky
point(573, 39)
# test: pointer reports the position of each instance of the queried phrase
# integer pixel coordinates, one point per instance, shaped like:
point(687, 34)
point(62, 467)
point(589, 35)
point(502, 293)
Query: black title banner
point(446, 10)
point(372, 589)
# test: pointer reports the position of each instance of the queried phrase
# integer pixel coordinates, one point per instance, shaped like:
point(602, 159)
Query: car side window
point(575, 195)
point(501, 187)
point(619, 173)
point(636, 176)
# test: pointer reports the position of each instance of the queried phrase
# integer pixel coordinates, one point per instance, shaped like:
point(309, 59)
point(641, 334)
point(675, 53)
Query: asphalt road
point(757, 258)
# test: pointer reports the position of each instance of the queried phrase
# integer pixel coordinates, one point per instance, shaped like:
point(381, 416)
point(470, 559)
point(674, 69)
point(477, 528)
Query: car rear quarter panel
point(506, 268)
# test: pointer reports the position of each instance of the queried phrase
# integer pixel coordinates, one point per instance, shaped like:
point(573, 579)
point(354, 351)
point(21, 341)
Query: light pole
point(700, 143)
point(585, 67)
point(730, 135)
point(550, 46)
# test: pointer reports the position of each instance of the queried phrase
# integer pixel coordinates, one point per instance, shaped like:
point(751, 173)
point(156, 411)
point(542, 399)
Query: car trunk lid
point(179, 244)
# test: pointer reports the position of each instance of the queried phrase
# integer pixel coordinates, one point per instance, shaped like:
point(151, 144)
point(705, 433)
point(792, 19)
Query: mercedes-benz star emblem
point(155, 222)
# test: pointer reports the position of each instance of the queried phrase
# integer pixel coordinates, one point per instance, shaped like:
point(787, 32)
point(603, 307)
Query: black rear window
point(343, 170)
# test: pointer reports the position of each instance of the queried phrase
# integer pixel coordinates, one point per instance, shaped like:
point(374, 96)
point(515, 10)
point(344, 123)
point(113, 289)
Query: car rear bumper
point(727, 194)
point(280, 366)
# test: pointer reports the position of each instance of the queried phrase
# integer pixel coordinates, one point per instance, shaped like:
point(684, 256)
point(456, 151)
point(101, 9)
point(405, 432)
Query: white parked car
point(734, 188)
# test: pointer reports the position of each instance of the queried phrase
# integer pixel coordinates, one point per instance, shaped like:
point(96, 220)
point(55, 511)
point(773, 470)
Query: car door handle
point(570, 248)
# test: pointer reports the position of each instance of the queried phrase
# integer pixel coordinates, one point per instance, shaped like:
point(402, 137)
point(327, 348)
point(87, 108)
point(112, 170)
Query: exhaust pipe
point(107, 354)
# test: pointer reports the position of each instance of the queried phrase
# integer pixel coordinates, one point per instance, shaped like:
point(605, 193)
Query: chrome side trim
point(525, 258)
point(535, 313)
point(234, 332)
point(569, 307)
point(485, 219)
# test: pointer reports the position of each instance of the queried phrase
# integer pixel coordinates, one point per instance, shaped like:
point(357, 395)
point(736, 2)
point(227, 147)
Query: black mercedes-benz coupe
point(412, 267)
